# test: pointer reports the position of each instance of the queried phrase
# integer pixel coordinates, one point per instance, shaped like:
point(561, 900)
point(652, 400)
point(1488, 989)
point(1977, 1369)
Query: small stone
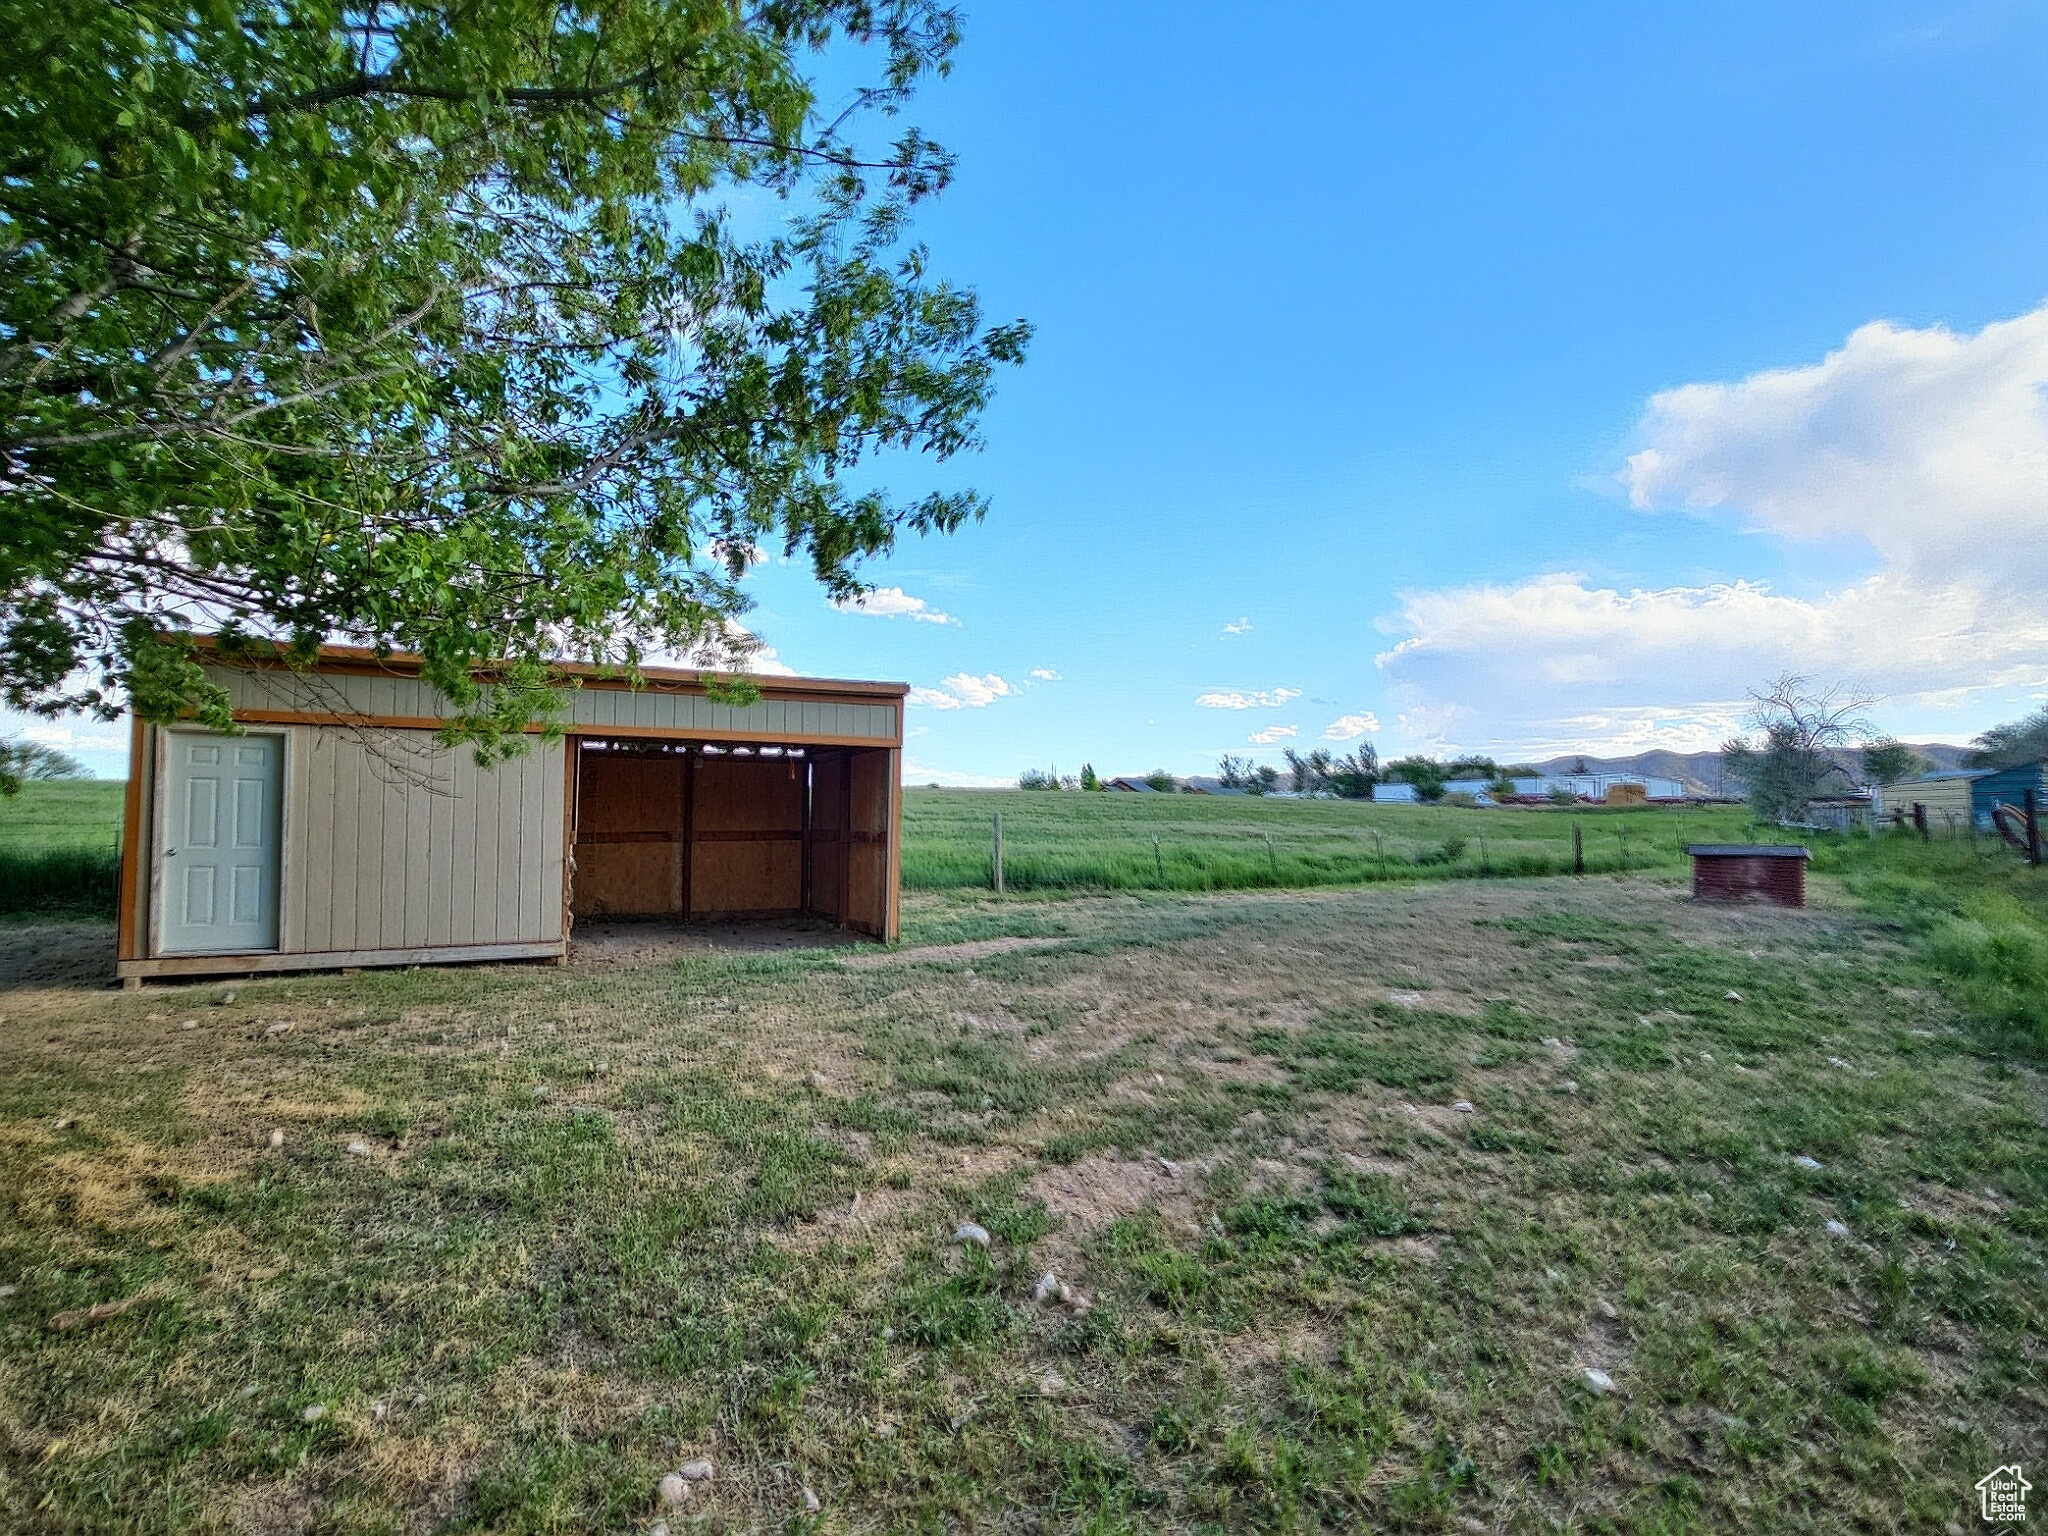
point(1169, 1167)
point(1078, 1304)
point(1158, 1081)
point(247, 1392)
point(312, 1413)
point(1810, 1165)
point(154, 1018)
point(970, 1232)
point(64, 1123)
point(1053, 1384)
point(1473, 1527)
point(275, 1139)
point(225, 999)
point(281, 1028)
point(1705, 1198)
point(1836, 1061)
point(419, 1399)
point(888, 1333)
point(671, 1492)
point(1599, 1383)
point(811, 1505)
point(357, 1149)
point(1707, 1058)
point(1732, 995)
point(1048, 1288)
point(1609, 1311)
point(599, 1068)
point(9, 1292)
point(698, 1471)
point(1569, 1085)
point(189, 1024)
point(820, 1082)
point(885, 1431)
point(1553, 1042)
point(987, 1102)
point(659, 1528)
point(379, 1411)
point(1463, 1107)
point(1405, 999)
point(1836, 1229)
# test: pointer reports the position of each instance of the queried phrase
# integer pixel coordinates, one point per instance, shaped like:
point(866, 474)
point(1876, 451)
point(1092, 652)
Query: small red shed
point(1773, 872)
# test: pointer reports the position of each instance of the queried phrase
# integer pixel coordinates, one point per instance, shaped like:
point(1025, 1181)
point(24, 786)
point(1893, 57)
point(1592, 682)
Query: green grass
point(612, 1218)
point(60, 847)
point(1073, 841)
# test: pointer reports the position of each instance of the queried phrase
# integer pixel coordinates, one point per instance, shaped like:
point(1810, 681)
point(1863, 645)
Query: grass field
point(1068, 841)
point(60, 847)
point(534, 1237)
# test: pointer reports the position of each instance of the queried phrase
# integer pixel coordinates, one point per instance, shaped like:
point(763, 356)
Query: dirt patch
point(651, 943)
point(56, 955)
point(974, 949)
point(1097, 1190)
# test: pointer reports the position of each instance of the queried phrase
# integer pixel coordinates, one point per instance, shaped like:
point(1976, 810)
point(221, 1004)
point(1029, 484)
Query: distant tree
point(1038, 778)
point(1471, 767)
point(21, 761)
point(1242, 773)
point(1425, 773)
point(1353, 777)
point(1886, 761)
point(1089, 778)
point(1522, 771)
point(1579, 765)
point(1162, 781)
point(1560, 795)
point(1801, 727)
point(2010, 746)
point(1308, 772)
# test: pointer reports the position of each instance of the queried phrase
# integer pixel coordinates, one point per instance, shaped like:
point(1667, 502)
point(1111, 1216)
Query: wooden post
point(1578, 848)
point(1158, 861)
point(1272, 858)
point(1485, 863)
point(2033, 818)
point(1621, 836)
point(999, 852)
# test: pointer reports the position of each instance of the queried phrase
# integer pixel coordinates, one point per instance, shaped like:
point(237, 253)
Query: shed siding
point(423, 849)
point(1946, 798)
point(653, 709)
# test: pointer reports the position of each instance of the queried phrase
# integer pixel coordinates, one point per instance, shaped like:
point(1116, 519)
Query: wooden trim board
point(334, 959)
point(128, 941)
point(570, 733)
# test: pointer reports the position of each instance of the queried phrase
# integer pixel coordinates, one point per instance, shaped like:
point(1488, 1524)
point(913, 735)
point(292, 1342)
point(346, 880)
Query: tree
point(2013, 745)
point(1162, 781)
point(1038, 778)
point(1349, 778)
point(1089, 779)
point(1241, 773)
point(21, 761)
point(1886, 761)
point(437, 327)
point(1426, 774)
point(1802, 727)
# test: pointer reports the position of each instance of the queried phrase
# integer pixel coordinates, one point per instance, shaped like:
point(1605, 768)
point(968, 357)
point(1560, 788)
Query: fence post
point(1485, 864)
point(1272, 858)
point(999, 852)
point(1621, 836)
point(1578, 848)
point(2032, 812)
point(1158, 862)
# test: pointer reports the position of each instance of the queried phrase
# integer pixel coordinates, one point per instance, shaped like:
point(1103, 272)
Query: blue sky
point(1508, 377)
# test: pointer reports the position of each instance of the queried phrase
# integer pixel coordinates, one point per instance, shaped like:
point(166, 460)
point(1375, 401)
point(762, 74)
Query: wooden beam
point(333, 959)
point(128, 941)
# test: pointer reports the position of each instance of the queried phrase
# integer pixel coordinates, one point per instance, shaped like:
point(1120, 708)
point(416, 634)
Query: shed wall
point(395, 842)
point(1735, 877)
point(1941, 797)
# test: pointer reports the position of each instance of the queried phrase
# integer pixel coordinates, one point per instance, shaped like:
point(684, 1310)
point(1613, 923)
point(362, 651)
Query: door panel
point(221, 843)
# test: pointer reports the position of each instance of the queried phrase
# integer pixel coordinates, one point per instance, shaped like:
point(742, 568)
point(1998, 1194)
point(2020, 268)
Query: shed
point(334, 830)
point(1386, 793)
point(1943, 798)
point(1770, 872)
point(2008, 786)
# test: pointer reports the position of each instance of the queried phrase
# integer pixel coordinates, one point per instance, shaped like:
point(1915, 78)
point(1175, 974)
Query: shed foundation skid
point(335, 829)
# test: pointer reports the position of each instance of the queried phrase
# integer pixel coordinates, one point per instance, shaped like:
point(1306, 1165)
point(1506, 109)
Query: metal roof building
point(334, 830)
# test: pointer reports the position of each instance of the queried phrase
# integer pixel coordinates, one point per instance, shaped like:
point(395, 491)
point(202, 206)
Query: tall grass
point(1978, 914)
point(1077, 841)
point(60, 848)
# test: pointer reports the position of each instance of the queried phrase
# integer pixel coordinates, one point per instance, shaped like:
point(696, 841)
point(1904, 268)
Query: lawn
point(532, 1238)
point(1065, 840)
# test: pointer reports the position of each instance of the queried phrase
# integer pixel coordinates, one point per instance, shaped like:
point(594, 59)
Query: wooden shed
point(1769, 872)
point(1942, 799)
point(336, 831)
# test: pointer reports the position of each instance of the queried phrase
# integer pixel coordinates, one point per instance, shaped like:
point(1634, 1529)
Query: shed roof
point(1749, 850)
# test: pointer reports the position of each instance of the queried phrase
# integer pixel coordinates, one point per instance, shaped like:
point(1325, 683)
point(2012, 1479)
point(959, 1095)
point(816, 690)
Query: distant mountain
point(1700, 772)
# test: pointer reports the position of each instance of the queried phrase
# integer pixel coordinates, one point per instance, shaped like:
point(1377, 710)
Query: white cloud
point(1928, 446)
point(1241, 627)
point(895, 603)
point(1045, 674)
point(1927, 450)
point(915, 772)
point(1271, 698)
point(1271, 734)
point(1351, 727)
point(963, 690)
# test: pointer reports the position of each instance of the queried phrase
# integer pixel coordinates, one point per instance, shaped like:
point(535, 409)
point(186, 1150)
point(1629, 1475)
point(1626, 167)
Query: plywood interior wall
point(668, 834)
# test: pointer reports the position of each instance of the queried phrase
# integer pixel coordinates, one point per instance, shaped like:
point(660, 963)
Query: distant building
point(1944, 798)
point(1395, 794)
point(1207, 784)
point(2008, 786)
point(1130, 785)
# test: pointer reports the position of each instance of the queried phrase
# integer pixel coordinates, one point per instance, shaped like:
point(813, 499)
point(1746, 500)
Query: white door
point(221, 836)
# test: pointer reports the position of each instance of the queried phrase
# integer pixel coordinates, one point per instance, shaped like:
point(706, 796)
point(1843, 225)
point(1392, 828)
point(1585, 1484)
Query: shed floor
point(637, 941)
